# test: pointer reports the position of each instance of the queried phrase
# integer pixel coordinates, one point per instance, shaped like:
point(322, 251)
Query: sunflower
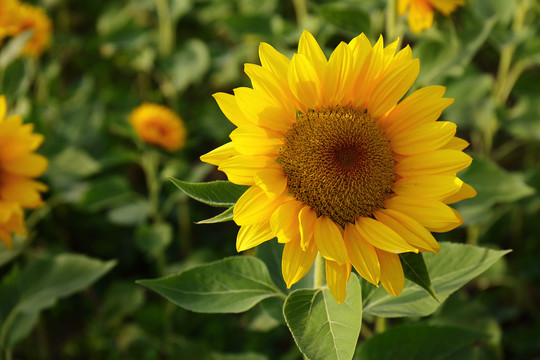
point(8, 23)
point(18, 165)
point(421, 11)
point(158, 125)
point(336, 165)
point(36, 19)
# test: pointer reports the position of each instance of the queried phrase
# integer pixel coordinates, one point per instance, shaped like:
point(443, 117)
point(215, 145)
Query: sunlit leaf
point(415, 270)
point(322, 328)
point(231, 285)
point(215, 193)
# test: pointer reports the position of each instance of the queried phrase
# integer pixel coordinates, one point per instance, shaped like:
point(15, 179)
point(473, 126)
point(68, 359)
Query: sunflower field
point(270, 179)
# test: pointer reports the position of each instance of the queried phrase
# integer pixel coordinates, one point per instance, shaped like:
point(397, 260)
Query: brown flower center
point(339, 162)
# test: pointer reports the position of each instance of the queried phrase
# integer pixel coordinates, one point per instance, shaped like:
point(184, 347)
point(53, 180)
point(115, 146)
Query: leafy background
point(100, 226)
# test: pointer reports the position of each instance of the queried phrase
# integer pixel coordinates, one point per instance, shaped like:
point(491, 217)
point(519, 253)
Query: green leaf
point(415, 270)
point(346, 16)
point(153, 239)
point(231, 285)
point(227, 215)
point(46, 280)
point(322, 328)
point(214, 193)
point(132, 213)
point(75, 162)
point(417, 342)
point(494, 185)
point(455, 265)
point(12, 50)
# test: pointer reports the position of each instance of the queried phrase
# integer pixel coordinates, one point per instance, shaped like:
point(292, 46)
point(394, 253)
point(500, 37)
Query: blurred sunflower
point(421, 11)
point(16, 17)
point(156, 124)
point(34, 18)
point(336, 165)
point(18, 165)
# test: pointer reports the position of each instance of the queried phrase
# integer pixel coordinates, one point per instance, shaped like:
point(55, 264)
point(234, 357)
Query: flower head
point(16, 17)
point(18, 166)
point(336, 165)
point(421, 11)
point(156, 124)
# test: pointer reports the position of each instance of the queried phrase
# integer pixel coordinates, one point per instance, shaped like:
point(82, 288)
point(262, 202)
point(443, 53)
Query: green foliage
point(216, 193)
point(414, 269)
point(322, 328)
point(456, 265)
point(231, 285)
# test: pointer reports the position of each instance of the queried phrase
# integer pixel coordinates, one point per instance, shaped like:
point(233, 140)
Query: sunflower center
point(339, 162)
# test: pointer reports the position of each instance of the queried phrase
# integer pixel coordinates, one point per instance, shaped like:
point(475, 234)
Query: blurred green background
point(107, 57)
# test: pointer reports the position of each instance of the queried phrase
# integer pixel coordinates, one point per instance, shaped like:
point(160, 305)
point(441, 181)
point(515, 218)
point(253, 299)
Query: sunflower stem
point(318, 276)
point(300, 8)
point(166, 33)
point(380, 324)
point(390, 19)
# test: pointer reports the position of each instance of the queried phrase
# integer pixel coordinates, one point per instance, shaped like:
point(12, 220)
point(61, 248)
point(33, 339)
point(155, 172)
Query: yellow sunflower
point(35, 18)
point(421, 11)
point(8, 23)
point(336, 165)
point(158, 125)
point(18, 165)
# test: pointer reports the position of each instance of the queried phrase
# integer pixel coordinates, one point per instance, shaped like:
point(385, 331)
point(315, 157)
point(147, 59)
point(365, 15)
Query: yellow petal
point(265, 81)
point(304, 83)
point(392, 277)
point(3, 108)
point(402, 6)
point(438, 187)
point(367, 79)
point(428, 137)
point(216, 156)
point(261, 110)
point(338, 75)
point(421, 107)
point(420, 16)
point(337, 277)
point(274, 61)
point(362, 255)
point(250, 236)
point(254, 206)
point(228, 105)
point(465, 192)
point(272, 181)
point(284, 221)
point(456, 144)
point(446, 6)
point(329, 240)
point(409, 229)
point(296, 262)
point(23, 191)
point(381, 236)
point(241, 169)
point(391, 88)
point(306, 219)
point(309, 47)
point(433, 163)
point(255, 140)
point(30, 165)
point(433, 214)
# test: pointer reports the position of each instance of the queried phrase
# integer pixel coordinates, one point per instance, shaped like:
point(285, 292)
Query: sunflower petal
point(250, 236)
point(241, 169)
point(296, 262)
point(337, 276)
point(216, 156)
point(423, 138)
point(329, 240)
point(362, 255)
point(229, 106)
point(254, 206)
point(284, 222)
point(431, 186)
point(254, 140)
point(306, 219)
point(433, 214)
point(381, 236)
point(272, 181)
point(304, 83)
point(274, 61)
point(392, 277)
point(465, 192)
point(438, 162)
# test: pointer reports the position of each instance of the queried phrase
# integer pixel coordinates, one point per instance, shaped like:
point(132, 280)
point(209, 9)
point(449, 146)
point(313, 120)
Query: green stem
point(184, 225)
point(300, 8)
point(150, 163)
point(8, 355)
point(318, 277)
point(166, 33)
point(380, 324)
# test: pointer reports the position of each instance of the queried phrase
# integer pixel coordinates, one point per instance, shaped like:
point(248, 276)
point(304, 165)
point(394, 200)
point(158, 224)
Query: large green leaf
point(414, 269)
point(322, 328)
point(231, 285)
point(494, 185)
point(455, 265)
point(418, 342)
point(215, 193)
point(46, 280)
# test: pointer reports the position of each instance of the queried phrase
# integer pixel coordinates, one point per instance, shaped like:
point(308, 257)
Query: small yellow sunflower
point(421, 11)
point(8, 20)
point(36, 19)
point(18, 165)
point(156, 124)
point(336, 165)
